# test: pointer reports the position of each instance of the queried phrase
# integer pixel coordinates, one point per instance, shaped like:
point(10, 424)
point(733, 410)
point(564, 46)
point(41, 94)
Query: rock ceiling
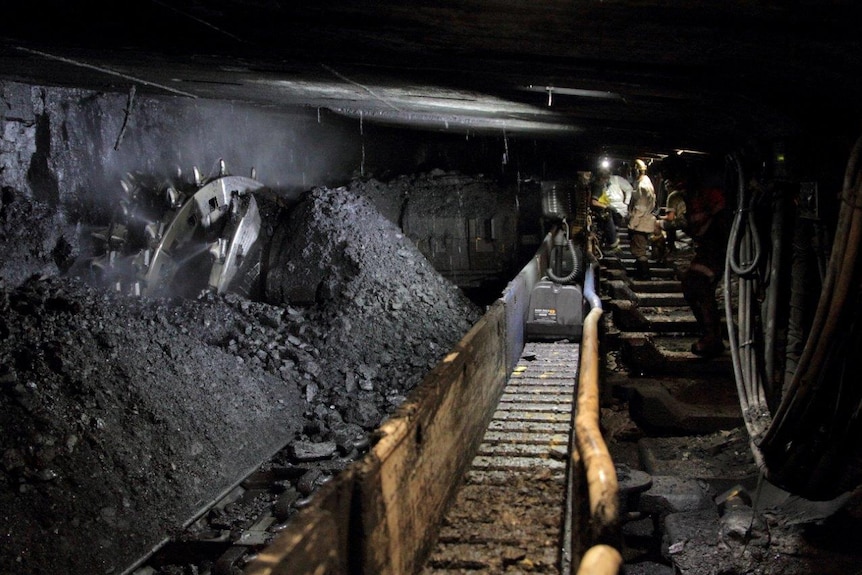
point(620, 74)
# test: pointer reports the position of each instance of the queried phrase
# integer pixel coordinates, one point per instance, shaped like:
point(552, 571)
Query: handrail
point(590, 293)
point(602, 485)
point(600, 560)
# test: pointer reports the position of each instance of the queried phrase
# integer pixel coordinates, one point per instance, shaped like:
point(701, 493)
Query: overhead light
point(579, 92)
point(606, 163)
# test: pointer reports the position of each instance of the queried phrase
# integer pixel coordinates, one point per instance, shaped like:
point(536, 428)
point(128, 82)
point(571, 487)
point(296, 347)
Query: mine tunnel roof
point(629, 77)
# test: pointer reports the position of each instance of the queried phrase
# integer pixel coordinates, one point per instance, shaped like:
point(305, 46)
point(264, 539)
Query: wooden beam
point(406, 482)
point(381, 515)
point(317, 541)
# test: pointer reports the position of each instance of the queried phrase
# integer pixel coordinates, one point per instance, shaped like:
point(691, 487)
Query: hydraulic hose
point(808, 258)
point(576, 261)
point(728, 306)
point(836, 291)
point(600, 560)
point(744, 243)
point(743, 227)
point(602, 482)
point(590, 293)
point(811, 446)
point(771, 304)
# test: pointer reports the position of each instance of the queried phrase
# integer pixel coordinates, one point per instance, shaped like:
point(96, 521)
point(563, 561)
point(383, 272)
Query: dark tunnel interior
point(386, 167)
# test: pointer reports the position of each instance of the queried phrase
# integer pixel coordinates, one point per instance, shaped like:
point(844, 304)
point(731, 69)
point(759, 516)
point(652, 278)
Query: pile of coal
point(120, 417)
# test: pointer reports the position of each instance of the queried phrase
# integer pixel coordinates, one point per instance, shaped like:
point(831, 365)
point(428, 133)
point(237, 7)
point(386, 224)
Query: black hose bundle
point(813, 443)
point(743, 258)
point(810, 444)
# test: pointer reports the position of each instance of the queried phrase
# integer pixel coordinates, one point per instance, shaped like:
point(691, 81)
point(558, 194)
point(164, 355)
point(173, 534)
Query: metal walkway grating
point(509, 514)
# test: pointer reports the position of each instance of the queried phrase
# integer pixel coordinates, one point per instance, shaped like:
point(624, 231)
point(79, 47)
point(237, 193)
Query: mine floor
point(676, 417)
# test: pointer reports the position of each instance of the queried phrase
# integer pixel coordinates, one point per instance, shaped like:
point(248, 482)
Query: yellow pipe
point(601, 474)
point(600, 560)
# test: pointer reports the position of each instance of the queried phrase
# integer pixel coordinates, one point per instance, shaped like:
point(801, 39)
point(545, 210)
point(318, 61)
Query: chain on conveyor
point(510, 512)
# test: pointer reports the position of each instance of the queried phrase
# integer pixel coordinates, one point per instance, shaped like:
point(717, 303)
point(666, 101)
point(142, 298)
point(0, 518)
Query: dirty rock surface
point(121, 417)
point(35, 238)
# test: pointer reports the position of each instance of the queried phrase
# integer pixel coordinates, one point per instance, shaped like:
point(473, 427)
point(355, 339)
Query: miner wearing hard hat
point(602, 212)
point(642, 221)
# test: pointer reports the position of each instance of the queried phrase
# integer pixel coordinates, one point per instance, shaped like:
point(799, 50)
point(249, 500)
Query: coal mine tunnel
point(324, 289)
